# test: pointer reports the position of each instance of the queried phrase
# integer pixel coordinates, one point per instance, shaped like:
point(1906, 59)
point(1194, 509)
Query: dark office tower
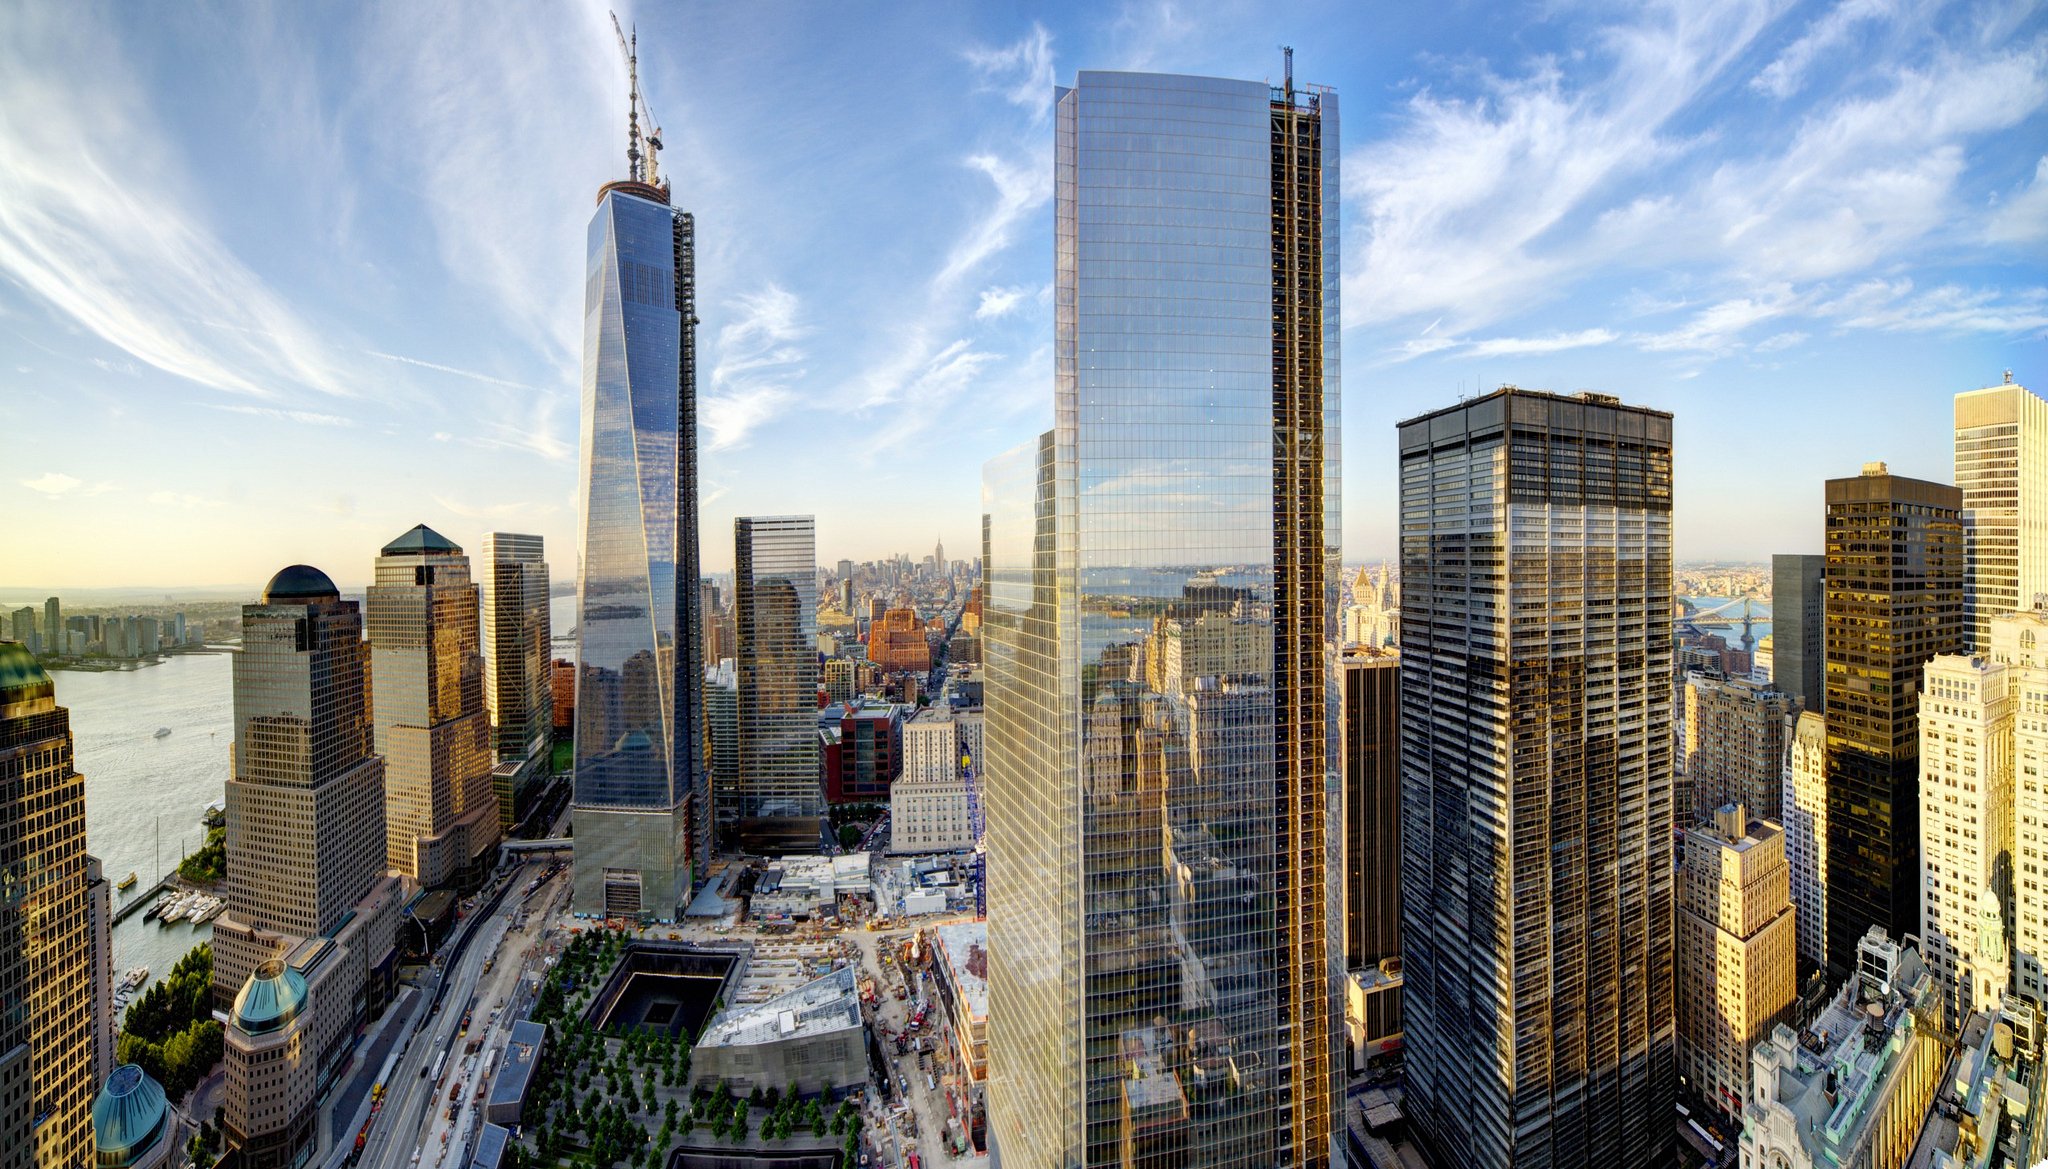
point(516, 636)
point(1798, 645)
point(48, 1033)
point(1162, 780)
point(778, 800)
point(1372, 807)
point(640, 778)
point(1895, 599)
point(1536, 780)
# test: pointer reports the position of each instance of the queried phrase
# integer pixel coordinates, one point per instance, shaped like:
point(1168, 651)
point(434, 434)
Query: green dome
point(128, 1117)
point(271, 999)
point(21, 676)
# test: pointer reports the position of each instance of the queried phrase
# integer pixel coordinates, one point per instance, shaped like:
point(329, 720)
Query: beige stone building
point(928, 801)
point(1965, 831)
point(2019, 641)
point(1735, 732)
point(432, 724)
point(1806, 831)
point(1737, 964)
point(49, 1047)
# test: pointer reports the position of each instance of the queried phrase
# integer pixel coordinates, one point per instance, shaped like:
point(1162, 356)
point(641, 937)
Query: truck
point(440, 1061)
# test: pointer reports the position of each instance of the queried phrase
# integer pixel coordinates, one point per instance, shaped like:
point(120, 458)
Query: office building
point(928, 802)
point(1165, 863)
point(841, 680)
point(1851, 1091)
point(132, 1123)
point(1737, 954)
point(427, 707)
point(1798, 630)
point(2019, 642)
point(305, 800)
point(50, 1039)
point(640, 781)
point(1966, 836)
point(99, 917)
point(722, 719)
point(1372, 807)
point(870, 753)
point(53, 626)
point(1894, 600)
point(1734, 745)
point(775, 604)
point(2002, 471)
point(516, 636)
point(1536, 780)
point(1805, 804)
point(897, 643)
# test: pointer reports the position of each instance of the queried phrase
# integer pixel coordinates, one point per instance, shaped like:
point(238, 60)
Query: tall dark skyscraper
point(777, 802)
point(1161, 780)
point(49, 1047)
point(1372, 807)
point(1536, 781)
point(1894, 600)
point(1798, 627)
point(640, 778)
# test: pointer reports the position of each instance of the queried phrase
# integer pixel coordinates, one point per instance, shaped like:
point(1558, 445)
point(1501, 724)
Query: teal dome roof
point(21, 676)
point(299, 583)
point(129, 1116)
point(271, 999)
point(421, 539)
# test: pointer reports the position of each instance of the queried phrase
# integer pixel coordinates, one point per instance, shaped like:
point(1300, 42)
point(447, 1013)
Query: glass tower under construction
point(639, 725)
point(1161, 782)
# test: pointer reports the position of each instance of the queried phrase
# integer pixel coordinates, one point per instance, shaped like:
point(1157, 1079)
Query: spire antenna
point(630, 49)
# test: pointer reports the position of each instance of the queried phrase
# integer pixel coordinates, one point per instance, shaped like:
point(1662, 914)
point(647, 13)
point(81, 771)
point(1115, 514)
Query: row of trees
point(171, 1032)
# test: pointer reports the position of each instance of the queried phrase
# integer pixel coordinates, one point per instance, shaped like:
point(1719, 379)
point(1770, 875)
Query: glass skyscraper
point(639, 677)
point(1164, 855)
point(777, 802)
point(1536, 781)
point(2002, 471)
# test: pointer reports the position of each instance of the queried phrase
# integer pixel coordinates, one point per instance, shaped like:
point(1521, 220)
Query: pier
point(143, 900)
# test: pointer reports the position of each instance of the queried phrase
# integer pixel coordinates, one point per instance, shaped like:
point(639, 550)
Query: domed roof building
point(297, 584)
point(271, 998)
point(131, 1121)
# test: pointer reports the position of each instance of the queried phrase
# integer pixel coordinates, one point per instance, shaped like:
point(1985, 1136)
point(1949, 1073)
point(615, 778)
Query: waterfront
point(134, 780)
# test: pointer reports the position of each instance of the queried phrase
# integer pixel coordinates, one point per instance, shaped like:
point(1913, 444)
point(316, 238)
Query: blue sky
point(283, 280)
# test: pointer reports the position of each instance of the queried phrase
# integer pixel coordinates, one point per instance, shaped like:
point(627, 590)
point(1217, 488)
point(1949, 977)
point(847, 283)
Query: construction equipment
point(636, 108)
point(978, 874)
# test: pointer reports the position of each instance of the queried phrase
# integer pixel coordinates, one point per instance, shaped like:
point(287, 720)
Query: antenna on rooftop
point(1288, 52)
point(650, 173)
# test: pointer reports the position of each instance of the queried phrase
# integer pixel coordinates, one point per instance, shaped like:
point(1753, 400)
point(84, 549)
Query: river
point(136, 783)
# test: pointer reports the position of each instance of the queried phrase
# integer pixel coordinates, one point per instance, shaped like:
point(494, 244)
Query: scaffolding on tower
point(978, 870)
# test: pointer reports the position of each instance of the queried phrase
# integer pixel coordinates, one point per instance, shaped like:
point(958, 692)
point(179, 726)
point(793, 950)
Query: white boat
point(134, 978)
point(209, 909)
point(179, 907)
point(163, 732)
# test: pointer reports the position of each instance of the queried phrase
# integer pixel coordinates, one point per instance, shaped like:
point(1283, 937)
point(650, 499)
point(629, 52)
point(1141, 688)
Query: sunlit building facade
point(640, 776)
point(1966, 836)
point(1734, 745)
point(1737, 953)
point(1164, 847)
point(1536, 780)
point(2019, 643)
point(516, 633)
point(1805, 817)
point(2002, 471)
point(775, 609)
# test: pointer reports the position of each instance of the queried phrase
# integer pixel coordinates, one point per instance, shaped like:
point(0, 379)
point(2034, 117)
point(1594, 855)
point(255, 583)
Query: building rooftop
point(419, 540)
point(490, 1147)
point(22, 678)
point(298, 584)
point(965, 948)
point(822, 1007)
point(271, 998)
point(521, 1051)
point(128, 1116)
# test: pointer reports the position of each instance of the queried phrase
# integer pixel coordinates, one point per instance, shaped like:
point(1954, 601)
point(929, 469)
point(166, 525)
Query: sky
point(278, 282)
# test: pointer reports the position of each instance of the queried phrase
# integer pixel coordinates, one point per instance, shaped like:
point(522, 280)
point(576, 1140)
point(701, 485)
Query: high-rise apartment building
point(1805, 805)
point(1372, 807)
point(1798, 627)
point(2002, 471)
point(1894, 600)
point(1165, 862)
point(427, 709)
point(2019, 643)
point(1966, 838)
point(640, 782)
point(775, 607)
point(1737, 956)
point(1735, 745)
point(53, 627)
point(516, 635)
point(1536, 780)
point(50, 967)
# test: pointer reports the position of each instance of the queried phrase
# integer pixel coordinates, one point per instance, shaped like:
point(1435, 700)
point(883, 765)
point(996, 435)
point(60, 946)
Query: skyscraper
point(305, 801)
point(426, 660)
point(1895, 599)
point(1737, 955)
point(516, 636)
point(1536, 779)
point(2019, 642)
point(775, 605)
point(2002, 471)
point(53, 627)
point(1805, 805)
point(1372, 807)
point(1734, 746)
point(640, 774)
point(1165, 864)
point(1966, 837)
point(1798, 648)
point(49, 1036)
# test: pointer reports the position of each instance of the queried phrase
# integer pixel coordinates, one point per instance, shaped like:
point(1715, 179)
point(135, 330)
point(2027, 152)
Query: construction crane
point(636, 108)
point(978, 872)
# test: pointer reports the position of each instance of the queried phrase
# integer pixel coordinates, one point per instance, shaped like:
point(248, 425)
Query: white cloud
point(757, 358)
point(308, 417)
point(1020, 190)
point(1718, 328)
point(494, 512)
point(1780, 341)
point(998, 302)
point(1787, 72)
point(1022, 72)
point(1555, 342)
point(449, 369)
point(51, 484)
point(2023, 219)
point(95, 221)
point(1893, 306)
point(181, 499)
point(731, 417)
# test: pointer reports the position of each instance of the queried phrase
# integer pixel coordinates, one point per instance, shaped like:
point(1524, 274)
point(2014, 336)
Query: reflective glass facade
point(639, 726)
point(775, 610)
point(1536, 781)
point(2002, 471)
point(1160, 779)
point(517, 633)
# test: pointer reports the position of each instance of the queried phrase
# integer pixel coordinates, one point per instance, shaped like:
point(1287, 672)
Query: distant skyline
point(280, 283)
